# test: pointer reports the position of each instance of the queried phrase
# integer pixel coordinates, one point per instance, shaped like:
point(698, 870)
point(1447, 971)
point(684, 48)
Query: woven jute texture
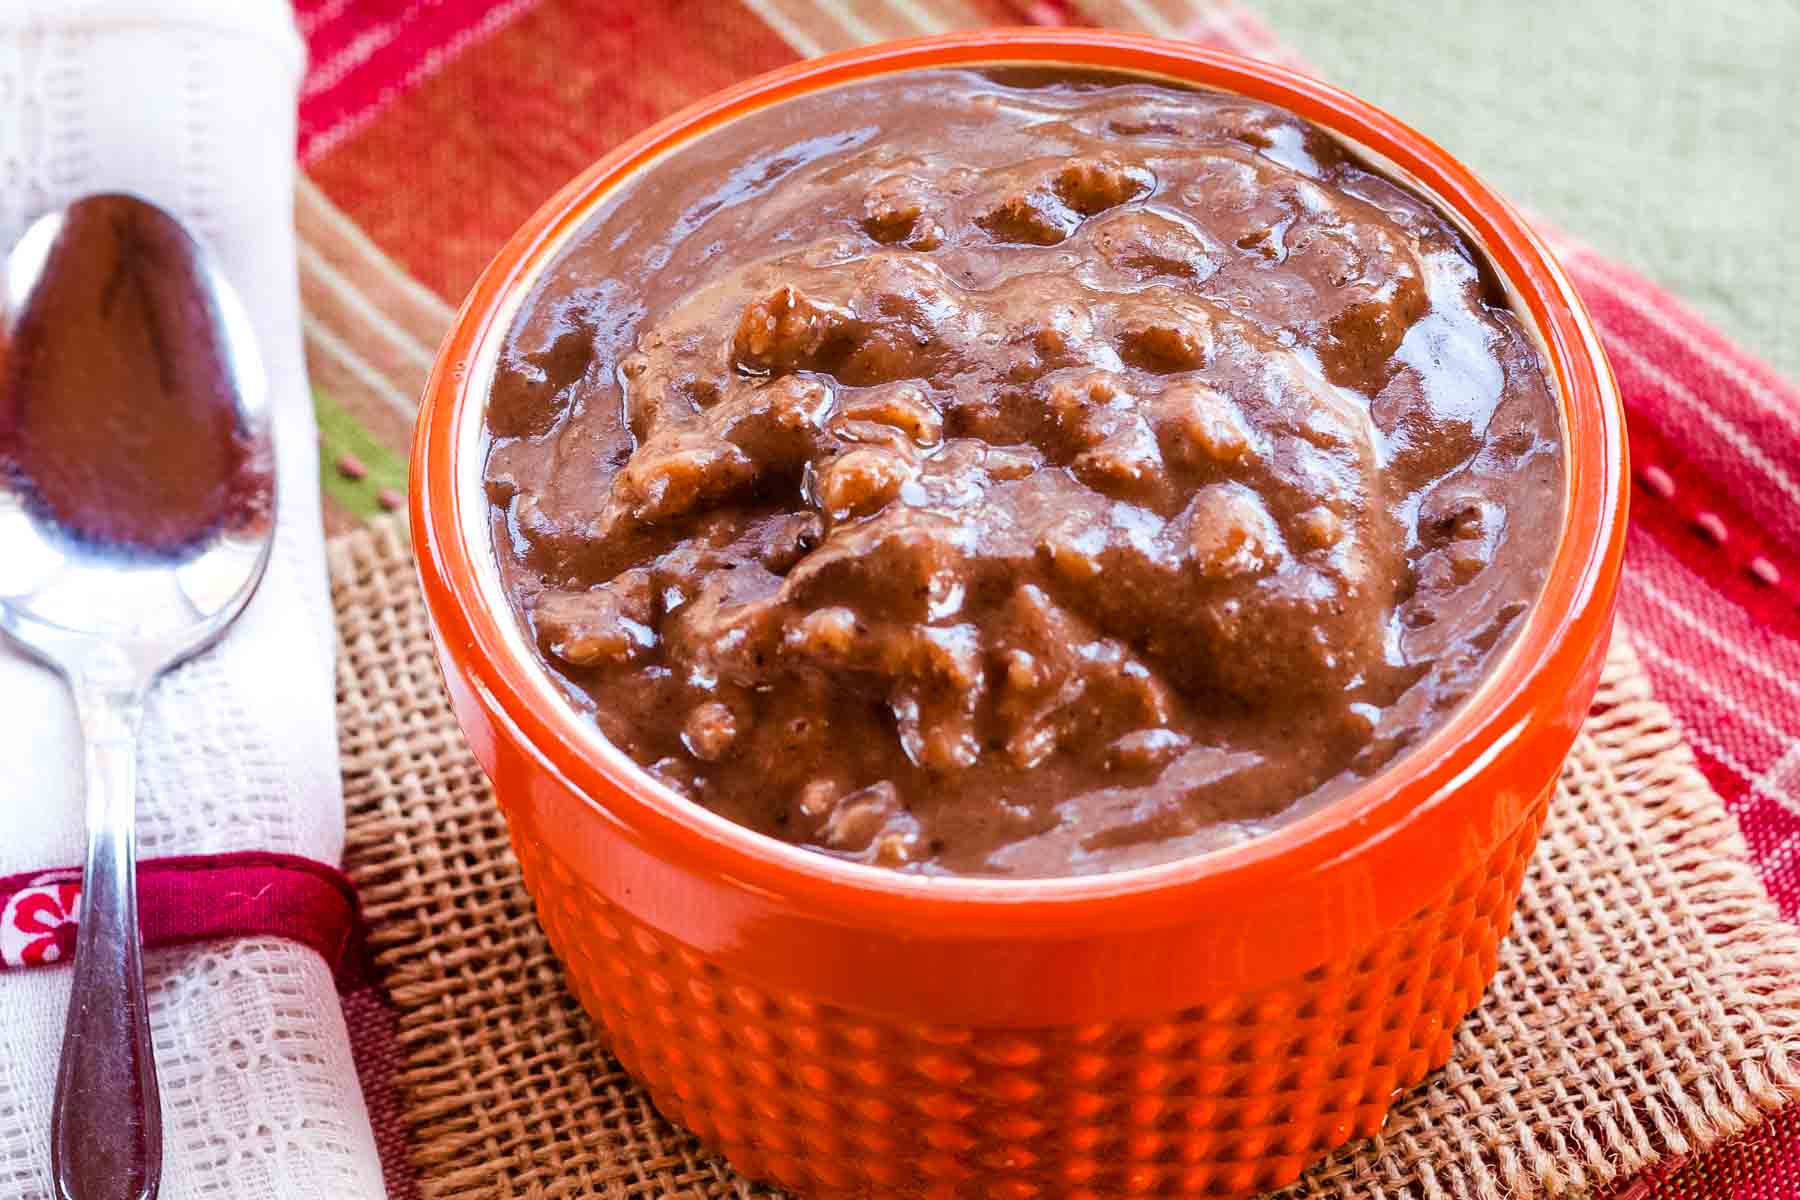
point(1647, 1002)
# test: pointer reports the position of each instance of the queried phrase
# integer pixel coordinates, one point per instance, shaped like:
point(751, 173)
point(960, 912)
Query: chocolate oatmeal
point(1019, 473)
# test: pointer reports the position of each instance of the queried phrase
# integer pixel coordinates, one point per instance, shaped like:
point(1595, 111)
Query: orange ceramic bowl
point(1207, 1027)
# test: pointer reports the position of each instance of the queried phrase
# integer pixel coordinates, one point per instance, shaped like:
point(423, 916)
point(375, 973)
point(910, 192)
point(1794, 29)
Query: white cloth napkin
point(192, 104)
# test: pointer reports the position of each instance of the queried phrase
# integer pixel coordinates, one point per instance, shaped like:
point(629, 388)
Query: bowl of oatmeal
point(1032, 584)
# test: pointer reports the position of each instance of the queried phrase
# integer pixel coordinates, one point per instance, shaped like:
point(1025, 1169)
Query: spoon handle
point(106, 1124)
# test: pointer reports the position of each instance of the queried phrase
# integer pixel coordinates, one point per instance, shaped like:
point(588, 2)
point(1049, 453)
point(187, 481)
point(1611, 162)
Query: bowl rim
point(1547, 658)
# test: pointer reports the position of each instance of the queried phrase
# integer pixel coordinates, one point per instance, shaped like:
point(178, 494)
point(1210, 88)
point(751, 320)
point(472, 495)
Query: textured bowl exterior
point(1204, 1028)
point(1228, 1098)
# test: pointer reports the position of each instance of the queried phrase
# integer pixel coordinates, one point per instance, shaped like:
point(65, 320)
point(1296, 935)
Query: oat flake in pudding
point(1019, 472)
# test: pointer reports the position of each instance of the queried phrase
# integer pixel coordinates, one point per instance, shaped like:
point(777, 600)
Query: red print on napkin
point(194, 898)
point(37, 926)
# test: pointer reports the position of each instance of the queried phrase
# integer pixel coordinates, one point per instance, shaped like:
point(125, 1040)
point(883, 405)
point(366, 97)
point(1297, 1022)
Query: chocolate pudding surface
point(1019, 472)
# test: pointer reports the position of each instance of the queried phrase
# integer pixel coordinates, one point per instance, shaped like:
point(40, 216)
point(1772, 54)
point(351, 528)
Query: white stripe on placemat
point(328, 74)
point(1653, 652)
point(1589, 266)
point(859, 31)
point(813, 27)
point(320, 337)
point(777, 18)
point(311, 22)
point(1145, 16)
point(1639, 582)
point(490, 22)
point(331, 231)
point(1647, 645)
point(1709, 416)
point(918, 18)
point(315, 266)
point(1781, 782)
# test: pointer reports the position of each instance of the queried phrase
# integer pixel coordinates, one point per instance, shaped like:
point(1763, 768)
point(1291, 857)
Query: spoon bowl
point(137, 503)
point(66, 579)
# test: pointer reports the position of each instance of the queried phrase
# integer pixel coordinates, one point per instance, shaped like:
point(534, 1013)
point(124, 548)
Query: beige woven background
point(1647, 1002)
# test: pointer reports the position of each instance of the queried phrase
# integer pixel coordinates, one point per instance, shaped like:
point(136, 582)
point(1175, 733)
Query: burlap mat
point(1647, 1003)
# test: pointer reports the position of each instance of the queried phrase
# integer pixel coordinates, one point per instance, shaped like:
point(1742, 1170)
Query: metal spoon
point(136, 515)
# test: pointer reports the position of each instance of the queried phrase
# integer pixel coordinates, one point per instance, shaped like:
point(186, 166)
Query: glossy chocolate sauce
point(1020, 473)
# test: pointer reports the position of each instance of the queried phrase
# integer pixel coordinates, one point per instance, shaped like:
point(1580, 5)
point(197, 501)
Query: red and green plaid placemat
point(431, 128)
